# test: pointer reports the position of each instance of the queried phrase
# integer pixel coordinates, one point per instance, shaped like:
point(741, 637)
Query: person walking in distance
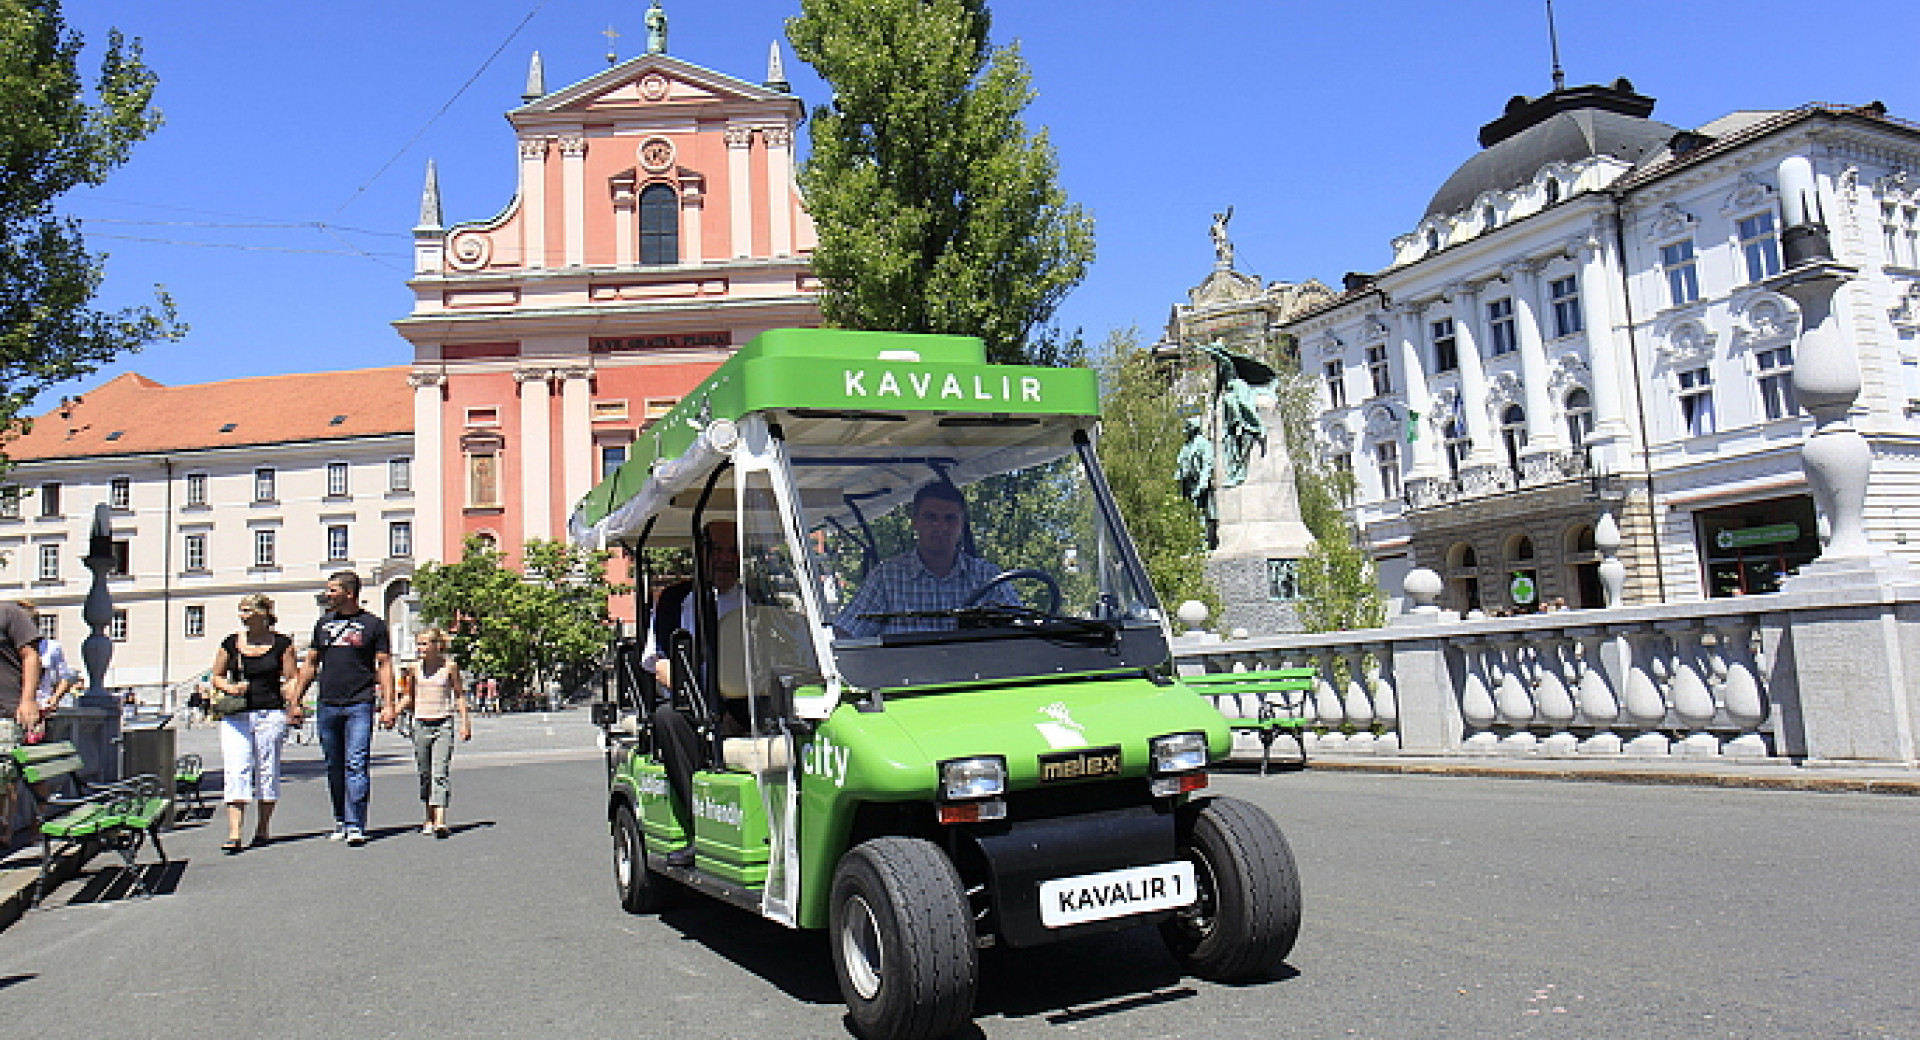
point(432, 690)
point(257, 664)
point(351, 656)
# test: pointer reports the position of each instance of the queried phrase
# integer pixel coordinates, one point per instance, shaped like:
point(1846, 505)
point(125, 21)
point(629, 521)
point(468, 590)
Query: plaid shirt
point(905, 583)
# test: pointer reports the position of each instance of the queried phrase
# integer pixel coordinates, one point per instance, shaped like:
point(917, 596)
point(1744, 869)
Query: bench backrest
point(39, 762)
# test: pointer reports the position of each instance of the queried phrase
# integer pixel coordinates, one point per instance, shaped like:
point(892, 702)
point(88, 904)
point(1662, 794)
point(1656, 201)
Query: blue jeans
point(346, 739)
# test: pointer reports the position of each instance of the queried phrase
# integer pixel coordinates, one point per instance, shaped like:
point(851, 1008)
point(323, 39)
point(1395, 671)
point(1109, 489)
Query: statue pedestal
point(1259, 521)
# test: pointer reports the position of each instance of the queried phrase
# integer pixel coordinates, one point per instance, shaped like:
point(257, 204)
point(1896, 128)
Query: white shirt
point(725, 603)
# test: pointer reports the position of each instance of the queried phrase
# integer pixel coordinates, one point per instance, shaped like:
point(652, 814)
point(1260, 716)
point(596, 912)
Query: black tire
point(641, 890)
point(1248, 914)
point(903, 941)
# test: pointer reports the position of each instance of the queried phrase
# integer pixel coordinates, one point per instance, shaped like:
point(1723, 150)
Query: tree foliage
point(936, 210)
point(1139, 441)
point(54, 138)
point(548, 620)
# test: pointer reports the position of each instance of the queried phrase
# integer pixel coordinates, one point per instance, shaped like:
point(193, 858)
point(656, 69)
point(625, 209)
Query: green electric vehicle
point(929, 734)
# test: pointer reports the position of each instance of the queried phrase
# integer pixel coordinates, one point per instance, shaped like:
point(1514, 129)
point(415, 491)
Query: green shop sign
point(1522, 588)
point(1771, 534)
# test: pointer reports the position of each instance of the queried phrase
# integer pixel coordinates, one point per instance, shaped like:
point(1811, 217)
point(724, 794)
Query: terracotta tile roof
point(133, 414)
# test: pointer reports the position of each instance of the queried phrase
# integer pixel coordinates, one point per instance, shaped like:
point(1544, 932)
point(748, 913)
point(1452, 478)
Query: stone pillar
point(693, 202)
point(95, 719)
point(779, 140)
point(625, 191)
point(536, 454)
point(573, 197)
point(740, 188)
point(533, 201)
point(1612, 435)
point(576, 434)
point(1543, 432)
point(1473, 376)
point(1407, 333)
point(429, 467)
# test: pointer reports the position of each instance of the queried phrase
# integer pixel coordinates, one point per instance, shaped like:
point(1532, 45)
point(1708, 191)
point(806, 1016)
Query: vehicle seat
point(755, 754)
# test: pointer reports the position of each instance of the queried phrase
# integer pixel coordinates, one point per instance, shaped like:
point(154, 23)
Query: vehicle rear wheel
point(903, 941)
point(641, 890)
point(1248, 912)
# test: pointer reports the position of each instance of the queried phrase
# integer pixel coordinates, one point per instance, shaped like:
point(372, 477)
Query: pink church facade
point(657, 226)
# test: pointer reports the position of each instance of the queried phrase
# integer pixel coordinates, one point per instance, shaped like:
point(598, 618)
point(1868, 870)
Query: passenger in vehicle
point(937, 575)
point(674, 739)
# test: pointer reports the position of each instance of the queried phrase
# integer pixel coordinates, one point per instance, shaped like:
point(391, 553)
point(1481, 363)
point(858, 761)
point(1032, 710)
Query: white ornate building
point(214, 491)
point(1584, 321)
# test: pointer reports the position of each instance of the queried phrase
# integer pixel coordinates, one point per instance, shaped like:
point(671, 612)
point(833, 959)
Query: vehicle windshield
point(927, 529)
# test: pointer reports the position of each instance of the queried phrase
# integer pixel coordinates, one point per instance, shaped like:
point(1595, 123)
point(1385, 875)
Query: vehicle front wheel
point(641, 890)
point(903, 941)
point(1248, 912)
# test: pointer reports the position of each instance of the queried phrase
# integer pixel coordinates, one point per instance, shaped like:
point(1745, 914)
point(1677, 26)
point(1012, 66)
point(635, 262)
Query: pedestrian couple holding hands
point(262, 689)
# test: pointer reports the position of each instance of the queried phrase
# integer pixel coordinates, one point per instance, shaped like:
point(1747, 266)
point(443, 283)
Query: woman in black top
point(256, 663)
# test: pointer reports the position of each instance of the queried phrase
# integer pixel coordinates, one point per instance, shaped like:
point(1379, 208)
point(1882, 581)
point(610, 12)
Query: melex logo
point(652, 784)
point(1080, 765)
point(926, 386)
point(719, 812)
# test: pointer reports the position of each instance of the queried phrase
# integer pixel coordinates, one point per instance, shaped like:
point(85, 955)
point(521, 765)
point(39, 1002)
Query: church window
point(659, 225)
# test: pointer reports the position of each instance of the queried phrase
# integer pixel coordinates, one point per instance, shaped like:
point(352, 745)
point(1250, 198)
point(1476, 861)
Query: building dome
point(1563, 126)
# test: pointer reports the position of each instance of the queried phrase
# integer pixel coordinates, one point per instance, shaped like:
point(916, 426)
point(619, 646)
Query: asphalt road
point(1436, 907)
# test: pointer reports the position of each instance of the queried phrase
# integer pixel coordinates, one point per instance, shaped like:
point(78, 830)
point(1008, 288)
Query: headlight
point(1180, 753)
point(965, 778)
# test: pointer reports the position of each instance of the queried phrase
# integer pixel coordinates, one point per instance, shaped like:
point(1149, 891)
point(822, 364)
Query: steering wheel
point(1053, 587)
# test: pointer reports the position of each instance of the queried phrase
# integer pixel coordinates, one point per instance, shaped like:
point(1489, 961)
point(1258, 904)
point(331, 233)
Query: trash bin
point(147, 748)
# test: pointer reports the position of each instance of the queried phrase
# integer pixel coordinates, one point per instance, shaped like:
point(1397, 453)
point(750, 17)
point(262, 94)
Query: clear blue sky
point(1327, 126)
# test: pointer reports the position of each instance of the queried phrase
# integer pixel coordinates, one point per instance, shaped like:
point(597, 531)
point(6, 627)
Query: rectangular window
point(264, 554)
point(1336, 377)
point(263, 485)
point(196, 489)
point(49, 500)
point(336, 543)
point(10, 502)
point(611, 458)
point(122, 558)
point(1565, 294)
point(483, 417)
point(1696, 401)
point(49, 625)
point(120, 493)
point(1776, 382)
point(1502, 338)
point(1760, 244)
point(337, 480)
point(609, 411)
point(1901, 226)
point(1446, 356)
point(400, 538)
point(400, 473)
point(1283, 580)
point(1380, 371)
point(483, 479)
point(1341, 465)
point(1386, 456)
point(1683, 276)
point(50, 562)
point(196, 620)
point(196, 552)
point(117, 627)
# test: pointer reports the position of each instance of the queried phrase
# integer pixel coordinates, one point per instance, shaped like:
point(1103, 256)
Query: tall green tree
point(936, 209)
point(1139, 441)
point(546, 620)
point(54, 137)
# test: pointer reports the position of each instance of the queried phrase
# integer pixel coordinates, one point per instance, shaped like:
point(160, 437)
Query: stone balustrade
point(1799, 676)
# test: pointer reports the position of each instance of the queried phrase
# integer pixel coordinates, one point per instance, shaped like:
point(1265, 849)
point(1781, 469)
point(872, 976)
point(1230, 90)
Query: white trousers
point(250, 754)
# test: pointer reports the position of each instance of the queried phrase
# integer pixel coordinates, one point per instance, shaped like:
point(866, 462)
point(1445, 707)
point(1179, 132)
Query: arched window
point(659, 226)
point(1513, 433)
point(1579, 417)
point(1520, 549)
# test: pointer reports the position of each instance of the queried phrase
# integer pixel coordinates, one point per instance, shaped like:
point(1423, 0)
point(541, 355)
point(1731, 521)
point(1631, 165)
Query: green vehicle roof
point(835, 370)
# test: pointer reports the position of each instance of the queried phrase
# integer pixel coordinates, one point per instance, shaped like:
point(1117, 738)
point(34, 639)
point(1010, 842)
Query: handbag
point(227, 703)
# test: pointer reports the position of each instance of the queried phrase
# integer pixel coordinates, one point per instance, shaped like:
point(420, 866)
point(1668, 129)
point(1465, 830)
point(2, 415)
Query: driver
point(936, 575)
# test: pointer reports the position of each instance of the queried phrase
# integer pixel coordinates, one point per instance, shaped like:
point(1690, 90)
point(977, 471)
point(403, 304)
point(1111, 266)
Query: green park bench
point(1280, 693)
point(188, 772)
point(122, 816)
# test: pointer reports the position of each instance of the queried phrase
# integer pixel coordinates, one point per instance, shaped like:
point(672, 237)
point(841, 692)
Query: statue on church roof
point(656, 29)
point(1222, 245)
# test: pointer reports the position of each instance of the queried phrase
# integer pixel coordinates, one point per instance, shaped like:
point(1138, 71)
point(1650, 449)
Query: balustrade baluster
point(1326, 701)
point(1513, 695)
point(1386, 702)
point(1599, 707)
point(1740, 693)
point(1359, 706)
point(1640, 694)
point(1691, 698)
point(1477, 708)
point(1552, 699)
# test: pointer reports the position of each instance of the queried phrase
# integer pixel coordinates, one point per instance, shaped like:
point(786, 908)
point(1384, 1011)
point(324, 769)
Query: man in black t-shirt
point(351, 655)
